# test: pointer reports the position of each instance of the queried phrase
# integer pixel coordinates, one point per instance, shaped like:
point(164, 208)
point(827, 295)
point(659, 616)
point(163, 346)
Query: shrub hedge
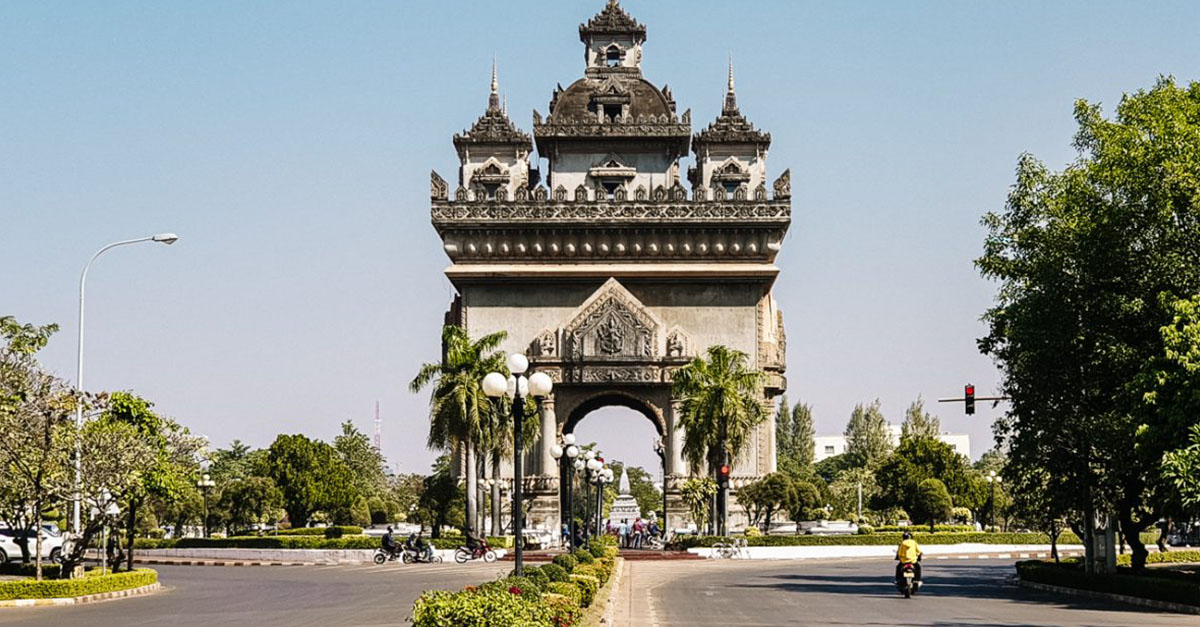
point(688, 542)
point(583, 557)
point(567, 562)
point(346, 530)
point(597, 551)
point(92, 583)
point(555, 573)
point(518, 600)
point(49, 569)
point(936, 528)
point(1185, 590)
point(1170, 557)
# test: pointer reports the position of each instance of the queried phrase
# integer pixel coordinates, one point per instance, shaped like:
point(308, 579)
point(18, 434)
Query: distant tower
point(378, 427)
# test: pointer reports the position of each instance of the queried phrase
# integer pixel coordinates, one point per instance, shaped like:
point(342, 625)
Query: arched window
point(612, 56)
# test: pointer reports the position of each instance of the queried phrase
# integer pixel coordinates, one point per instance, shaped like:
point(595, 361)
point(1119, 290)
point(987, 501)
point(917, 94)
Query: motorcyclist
point(423, 548)
point(473, 541)
point(909, 553)
point(389, 543)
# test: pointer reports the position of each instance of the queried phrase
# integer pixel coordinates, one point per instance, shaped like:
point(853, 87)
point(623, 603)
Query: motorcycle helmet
point(907, 535)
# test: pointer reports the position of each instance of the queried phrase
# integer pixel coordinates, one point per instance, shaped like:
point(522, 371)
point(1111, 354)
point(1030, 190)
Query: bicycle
point(734, 549)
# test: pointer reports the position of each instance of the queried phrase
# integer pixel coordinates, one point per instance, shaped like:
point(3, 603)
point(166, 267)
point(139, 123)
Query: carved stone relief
point(611, 324)
point(438, 189)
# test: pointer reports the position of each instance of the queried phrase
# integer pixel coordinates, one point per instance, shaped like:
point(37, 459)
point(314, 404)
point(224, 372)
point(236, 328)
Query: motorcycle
point(907, 582)
point(465, 554)
point(408, 555)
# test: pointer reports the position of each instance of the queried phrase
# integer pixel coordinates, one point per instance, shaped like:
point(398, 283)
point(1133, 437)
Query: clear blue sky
point(289, 144)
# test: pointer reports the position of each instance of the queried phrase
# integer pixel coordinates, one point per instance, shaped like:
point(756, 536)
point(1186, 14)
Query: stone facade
point(612, 274)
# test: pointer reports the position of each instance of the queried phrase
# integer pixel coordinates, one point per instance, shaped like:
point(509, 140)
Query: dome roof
point(579, 100)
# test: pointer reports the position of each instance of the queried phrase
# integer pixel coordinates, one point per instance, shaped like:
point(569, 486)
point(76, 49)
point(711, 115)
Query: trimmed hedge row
point(296, 541)
point(936, 528)
point(872, 539)
point(1170, 557)
point(346, 530)
point(546, 596)
point(1147, 586)
point(92, 583)
point(49, 570)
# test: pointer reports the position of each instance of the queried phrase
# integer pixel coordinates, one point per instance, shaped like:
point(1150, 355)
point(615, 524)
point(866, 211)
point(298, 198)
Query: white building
point(829, 445)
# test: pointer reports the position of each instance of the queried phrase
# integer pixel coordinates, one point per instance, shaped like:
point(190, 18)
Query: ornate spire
point(613, 20)
point(494, 98)
point(730, 107)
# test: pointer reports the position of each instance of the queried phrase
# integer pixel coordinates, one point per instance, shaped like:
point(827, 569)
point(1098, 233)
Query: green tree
point(867, 439)
point(828, 469)
point(722, 404)
point(919, 423)
point(844, 491)
point(803, 499)
point(802, 452)
point(1181, 468)
point(931, 503)
point(1091, 262)
point(34, 407)
point(360, 513)
point(311, 476)
point(1038, 502)
point(440, 503)
point(765, 498)
point(697, 494)
point(783, 433)
point(458, 409)
point(365, 463)
point(918, 459)
point(174, 467)
point(251, 501)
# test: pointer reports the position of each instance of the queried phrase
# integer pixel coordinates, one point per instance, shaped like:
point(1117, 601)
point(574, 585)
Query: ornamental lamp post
point(162, 238)
point(566, 454)
point(205, 484)
point(661, 449)
point(994, 480)
point(516, 387)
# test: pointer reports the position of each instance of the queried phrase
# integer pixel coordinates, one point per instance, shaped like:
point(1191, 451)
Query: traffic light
point(969, 393)
point(723, 475)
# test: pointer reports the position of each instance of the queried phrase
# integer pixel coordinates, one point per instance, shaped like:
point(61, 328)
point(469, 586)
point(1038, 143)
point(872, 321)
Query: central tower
point(612, 274)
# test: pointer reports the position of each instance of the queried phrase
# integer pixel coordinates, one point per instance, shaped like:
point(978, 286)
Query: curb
point(89, 598)
point(223, 563)
point(1108, 596)
point(1002, 556)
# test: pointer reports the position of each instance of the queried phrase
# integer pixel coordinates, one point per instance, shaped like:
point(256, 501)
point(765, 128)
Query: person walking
point(623, 533)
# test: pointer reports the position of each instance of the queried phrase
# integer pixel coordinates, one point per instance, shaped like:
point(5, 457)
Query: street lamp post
point(994, 480)
point(76, 519)
point(566, 453)
point(205, 484)
point(517, 387)
point(602, 475)
point(661, 449)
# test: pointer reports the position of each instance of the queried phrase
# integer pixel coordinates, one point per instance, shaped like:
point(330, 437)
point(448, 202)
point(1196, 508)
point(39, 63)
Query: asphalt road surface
point(732, 593)
point(268, 596)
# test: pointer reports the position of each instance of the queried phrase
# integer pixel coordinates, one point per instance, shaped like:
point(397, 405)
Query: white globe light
point(556, 451)
point(540, 384)
point(522, 387)
point(572, 451)
point(588, 455)
point(494, 384)
point(579, 464)
point(593, 464)
point(517, 363)
point(510, 386)
point(569, 438)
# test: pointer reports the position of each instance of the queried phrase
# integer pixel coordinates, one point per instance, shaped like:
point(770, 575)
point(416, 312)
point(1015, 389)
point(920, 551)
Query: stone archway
point(591, 401)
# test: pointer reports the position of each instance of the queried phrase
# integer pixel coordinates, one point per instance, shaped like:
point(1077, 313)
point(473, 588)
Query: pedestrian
point(638, 530)
point(566, 534)
point(623, 533)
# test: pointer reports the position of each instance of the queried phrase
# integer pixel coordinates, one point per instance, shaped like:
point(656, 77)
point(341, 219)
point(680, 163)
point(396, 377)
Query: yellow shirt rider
point(909, 552)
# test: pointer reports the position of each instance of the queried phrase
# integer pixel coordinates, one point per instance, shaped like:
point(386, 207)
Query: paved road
point(742, 593)
point(268, 596)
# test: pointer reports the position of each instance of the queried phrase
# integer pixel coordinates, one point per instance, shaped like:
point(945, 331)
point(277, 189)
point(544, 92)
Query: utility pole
point(378, 427)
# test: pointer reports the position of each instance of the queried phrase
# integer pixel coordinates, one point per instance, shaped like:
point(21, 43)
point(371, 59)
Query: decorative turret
point(731, 155)
point(613, 41)
point(494, 153)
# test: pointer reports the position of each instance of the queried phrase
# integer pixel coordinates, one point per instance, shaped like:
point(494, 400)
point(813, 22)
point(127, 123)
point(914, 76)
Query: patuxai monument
point(612, 267)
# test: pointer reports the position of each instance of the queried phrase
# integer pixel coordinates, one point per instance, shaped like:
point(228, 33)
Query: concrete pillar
point(675, 465)
point(547, 464)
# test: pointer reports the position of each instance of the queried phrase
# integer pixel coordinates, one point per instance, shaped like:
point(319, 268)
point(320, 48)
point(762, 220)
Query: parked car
point(52, 543)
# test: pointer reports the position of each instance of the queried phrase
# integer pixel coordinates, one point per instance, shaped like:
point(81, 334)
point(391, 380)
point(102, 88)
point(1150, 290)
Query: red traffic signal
point(969, 394)
point(724, 470)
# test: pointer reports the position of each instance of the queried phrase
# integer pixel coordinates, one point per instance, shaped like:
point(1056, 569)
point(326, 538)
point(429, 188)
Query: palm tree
point(722, 404)
point(459, 411)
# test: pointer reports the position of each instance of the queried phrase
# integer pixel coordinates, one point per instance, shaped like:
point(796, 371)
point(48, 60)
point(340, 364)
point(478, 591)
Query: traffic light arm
point(978, 398)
